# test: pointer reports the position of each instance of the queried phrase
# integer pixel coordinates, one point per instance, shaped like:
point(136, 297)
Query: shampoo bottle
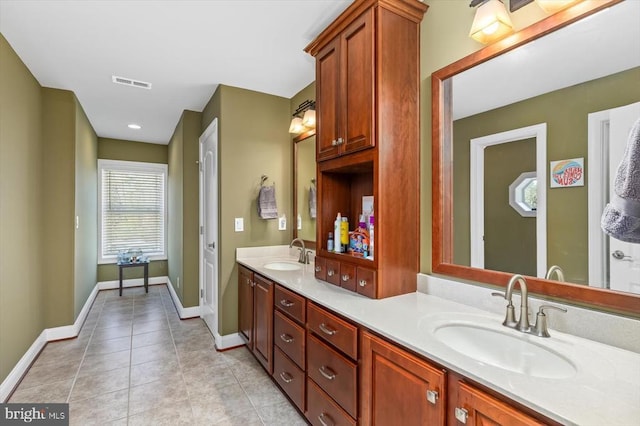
point(344, 234)
point(336, 232)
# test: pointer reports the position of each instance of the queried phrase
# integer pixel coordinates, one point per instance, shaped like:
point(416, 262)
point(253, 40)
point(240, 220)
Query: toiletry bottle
point(359, 239)
point(336, 231)
point(344, 234)
point(371, 237)
point(330, 242)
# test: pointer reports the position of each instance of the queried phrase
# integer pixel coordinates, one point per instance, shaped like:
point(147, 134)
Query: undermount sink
point(283, 266)
point(506, 351)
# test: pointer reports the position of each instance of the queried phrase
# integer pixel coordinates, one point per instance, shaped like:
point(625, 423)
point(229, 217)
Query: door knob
point(618, 254)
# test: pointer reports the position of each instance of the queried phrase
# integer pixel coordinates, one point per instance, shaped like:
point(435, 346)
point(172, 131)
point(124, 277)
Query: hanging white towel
point(267, 208)
point(312, 202)
point(621, 217)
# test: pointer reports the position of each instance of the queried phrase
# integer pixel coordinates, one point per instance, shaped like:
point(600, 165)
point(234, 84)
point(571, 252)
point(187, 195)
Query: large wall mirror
point(304, 185)
point(566, 89)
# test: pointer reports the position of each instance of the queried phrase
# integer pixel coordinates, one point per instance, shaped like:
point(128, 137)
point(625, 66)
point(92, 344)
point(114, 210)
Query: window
point(132, 209)
point(523, 194)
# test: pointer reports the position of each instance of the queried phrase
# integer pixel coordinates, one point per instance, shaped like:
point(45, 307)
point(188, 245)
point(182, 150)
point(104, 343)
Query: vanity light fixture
point(491, 21)
point(134, 126)
point(304, 118)
point(552, 6)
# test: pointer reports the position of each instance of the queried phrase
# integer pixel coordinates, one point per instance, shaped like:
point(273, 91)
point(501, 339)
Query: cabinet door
point(263, 321)
point(398, 388)
point(357, 84)
point(478, 408)
point(327, 93)
point(245, 304)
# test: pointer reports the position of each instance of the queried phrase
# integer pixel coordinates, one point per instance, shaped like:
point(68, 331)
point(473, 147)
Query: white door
point(624, 258)
point(209, 227)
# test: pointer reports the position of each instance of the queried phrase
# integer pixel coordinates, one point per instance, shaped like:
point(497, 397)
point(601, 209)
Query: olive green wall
point(86, 210)
point(183, 211)
point(444, 38)
point(58, 186)
point(22, 300)
point(124, 150)
point(566, 113)
point(509, 238)
point(253, 141)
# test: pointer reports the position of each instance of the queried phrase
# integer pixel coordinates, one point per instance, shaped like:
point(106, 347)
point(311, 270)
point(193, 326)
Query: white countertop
point(604, 391)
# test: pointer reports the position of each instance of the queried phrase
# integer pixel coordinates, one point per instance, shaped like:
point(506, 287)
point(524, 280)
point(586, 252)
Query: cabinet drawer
point(321, 268)
point(333, 271)
point(366, 283)
point(291, 303)
point(290, 378)
point(348, 276)
point(334, 330)
point(290, 337)
point(334, 373)
point(322, 410)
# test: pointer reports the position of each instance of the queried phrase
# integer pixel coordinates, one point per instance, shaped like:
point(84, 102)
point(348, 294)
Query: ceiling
point(185, 49)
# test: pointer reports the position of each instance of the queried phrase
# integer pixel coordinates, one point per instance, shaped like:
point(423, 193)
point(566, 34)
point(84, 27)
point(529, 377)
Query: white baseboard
point(12, 380)
point(228, 341)
point(47, 335)
point(183, 312)
point(134, 282)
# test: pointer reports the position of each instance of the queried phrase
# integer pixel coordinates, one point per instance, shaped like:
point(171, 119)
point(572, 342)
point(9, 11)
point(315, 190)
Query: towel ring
point(263, 179)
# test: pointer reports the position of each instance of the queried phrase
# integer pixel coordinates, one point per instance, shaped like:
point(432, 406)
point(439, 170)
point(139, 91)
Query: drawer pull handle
point(326, 330)
point(288, 378)
point(345, 277)
point(432, 396)
point(362, 283)
point(318, 268)
point(327, 373)
point(286, 338)
point(286, 303)
point(461, 415)
point(330, 272)
point(324, 422)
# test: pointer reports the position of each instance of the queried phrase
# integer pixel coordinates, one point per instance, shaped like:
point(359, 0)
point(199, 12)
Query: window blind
point(132, 211)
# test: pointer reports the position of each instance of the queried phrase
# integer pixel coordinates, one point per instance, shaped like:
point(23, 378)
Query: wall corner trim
point(183, 313)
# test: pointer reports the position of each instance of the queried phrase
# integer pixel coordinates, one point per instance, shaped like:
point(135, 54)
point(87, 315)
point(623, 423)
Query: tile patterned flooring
point(136, 363)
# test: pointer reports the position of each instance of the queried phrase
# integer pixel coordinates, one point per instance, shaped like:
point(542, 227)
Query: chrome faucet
point(558, 271)
point(303, 258)
point(510, 321)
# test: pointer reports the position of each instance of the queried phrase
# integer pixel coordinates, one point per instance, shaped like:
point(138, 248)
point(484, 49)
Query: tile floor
point(136, 363)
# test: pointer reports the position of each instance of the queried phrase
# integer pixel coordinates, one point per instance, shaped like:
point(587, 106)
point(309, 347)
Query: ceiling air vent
point(130, 82)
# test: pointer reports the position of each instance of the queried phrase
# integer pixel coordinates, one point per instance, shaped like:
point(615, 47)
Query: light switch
point(239, 224)
point(282, 223)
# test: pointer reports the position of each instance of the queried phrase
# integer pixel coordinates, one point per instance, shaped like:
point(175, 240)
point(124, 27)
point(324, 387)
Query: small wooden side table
point(145, 264)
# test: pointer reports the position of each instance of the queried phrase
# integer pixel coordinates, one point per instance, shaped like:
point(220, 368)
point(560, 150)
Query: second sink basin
point(282, 265)
point(506, 351)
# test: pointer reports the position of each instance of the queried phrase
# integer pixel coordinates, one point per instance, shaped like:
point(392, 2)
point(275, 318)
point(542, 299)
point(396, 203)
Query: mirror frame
point(311, 245)
point(442, 174)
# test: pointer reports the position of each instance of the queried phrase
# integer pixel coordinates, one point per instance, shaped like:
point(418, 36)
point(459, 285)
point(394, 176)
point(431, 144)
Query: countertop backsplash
point(610, 329)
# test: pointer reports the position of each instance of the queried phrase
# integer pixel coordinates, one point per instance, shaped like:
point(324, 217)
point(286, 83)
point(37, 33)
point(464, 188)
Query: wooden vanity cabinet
point(245, 305)
point(399, 388)
point(367, 92)
point(332, 368)
point(263, 321)
point(290, 347)
point(345, 90)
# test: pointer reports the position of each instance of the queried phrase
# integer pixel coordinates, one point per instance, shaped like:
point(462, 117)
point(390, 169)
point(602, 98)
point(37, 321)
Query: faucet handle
point(540, 328)
point(510, 317)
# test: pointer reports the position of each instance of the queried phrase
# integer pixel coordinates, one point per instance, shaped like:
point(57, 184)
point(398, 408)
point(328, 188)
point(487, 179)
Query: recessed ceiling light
point(134, 126)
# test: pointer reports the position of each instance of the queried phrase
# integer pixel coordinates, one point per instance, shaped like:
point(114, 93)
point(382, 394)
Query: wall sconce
point(304, 118)
point(552, 6)
point(491, 22)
